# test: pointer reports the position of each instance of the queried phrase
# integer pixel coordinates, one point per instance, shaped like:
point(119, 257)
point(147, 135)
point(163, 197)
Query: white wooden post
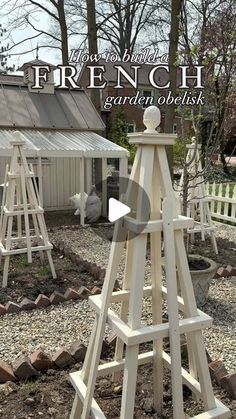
point(104, 187)
point(123, 169)
point(82, 182)
point(40, 178)
point(88, 175)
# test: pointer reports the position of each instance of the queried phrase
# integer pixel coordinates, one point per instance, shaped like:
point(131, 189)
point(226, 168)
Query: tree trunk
point(93, 46)
point(64, 32)
point(173, 48)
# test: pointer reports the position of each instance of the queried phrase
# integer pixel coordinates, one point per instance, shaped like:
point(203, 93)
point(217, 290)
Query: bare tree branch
point(45, 9)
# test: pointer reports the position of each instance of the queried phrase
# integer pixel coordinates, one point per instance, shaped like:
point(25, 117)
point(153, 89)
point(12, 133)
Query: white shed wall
point(60, 180)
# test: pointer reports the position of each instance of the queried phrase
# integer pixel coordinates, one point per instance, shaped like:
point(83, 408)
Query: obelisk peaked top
point(152, 119)
point(193, 145)
point(18, 139)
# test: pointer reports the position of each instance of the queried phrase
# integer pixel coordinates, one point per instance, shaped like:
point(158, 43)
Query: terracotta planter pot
point(201, 279)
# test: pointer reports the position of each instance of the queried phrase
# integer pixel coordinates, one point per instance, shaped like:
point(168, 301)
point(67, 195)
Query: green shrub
point(118, 130)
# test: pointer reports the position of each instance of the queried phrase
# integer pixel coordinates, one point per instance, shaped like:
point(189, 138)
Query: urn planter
point(202, 270)
point(201, 278)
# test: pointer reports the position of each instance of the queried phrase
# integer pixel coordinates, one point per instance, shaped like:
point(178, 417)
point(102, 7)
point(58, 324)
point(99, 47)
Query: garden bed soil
point(198, 264)
point(51, 396)
point(226, 249)
point(30, 280)
point(65, 218)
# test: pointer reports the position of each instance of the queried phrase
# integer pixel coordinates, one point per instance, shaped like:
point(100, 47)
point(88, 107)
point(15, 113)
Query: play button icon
point(116, 210)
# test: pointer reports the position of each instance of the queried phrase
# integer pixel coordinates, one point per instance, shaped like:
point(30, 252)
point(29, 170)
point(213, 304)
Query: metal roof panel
point(18, 112)
point(65, 109)
point(70, 108)
point(88, 111)
point(58, 143)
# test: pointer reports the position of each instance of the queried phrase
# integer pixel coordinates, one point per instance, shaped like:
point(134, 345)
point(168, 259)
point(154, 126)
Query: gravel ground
point(220, 339)
point(49, 328)
point(60, 325)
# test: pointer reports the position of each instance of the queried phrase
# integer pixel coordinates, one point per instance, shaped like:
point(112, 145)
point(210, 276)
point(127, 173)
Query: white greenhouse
point(63, 139)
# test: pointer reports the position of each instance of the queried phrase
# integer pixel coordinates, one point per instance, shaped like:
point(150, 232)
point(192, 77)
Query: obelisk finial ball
point(151, 119)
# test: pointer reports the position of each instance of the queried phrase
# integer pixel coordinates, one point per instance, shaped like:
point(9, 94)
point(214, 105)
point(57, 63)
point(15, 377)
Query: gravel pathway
point(220, 339)
point(47, 328)
point(86, 243)
point(60, 325)
point(226, 232)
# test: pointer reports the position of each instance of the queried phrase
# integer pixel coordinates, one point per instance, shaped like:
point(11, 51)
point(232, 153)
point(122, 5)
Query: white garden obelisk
point(21, 202)
point(198, 200)
point(150, 170)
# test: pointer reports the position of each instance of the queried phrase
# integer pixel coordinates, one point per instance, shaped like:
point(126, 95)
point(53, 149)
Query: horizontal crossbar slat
point(223, 199)
point(223, 217)
point(200, 229)
point(5, 252)
point(17, 175)
point(123, 295)
point(157, 225)
point(22, 212)
point(152, 332)
point(202, 199)
point(15, 239)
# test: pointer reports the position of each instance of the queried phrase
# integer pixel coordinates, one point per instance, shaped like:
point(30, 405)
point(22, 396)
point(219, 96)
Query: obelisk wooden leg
point(26, 215)
point(173, 313)
point(8, 228)
point(191, 311)
point(130, 201)
point(212, 233)
point(124, 305)
point(156, 274)
point(117, 248)
point(135, 312)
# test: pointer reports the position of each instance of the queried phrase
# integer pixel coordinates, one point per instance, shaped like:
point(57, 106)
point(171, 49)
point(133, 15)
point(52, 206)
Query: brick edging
point(225, 271)
point(44, 301)
point(32, 366)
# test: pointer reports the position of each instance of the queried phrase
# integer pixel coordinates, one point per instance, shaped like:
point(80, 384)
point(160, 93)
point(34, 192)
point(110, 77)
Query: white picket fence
point(223, 205)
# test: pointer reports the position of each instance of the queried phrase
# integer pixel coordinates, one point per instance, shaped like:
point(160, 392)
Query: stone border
point(224, 379)
point(95, 270)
